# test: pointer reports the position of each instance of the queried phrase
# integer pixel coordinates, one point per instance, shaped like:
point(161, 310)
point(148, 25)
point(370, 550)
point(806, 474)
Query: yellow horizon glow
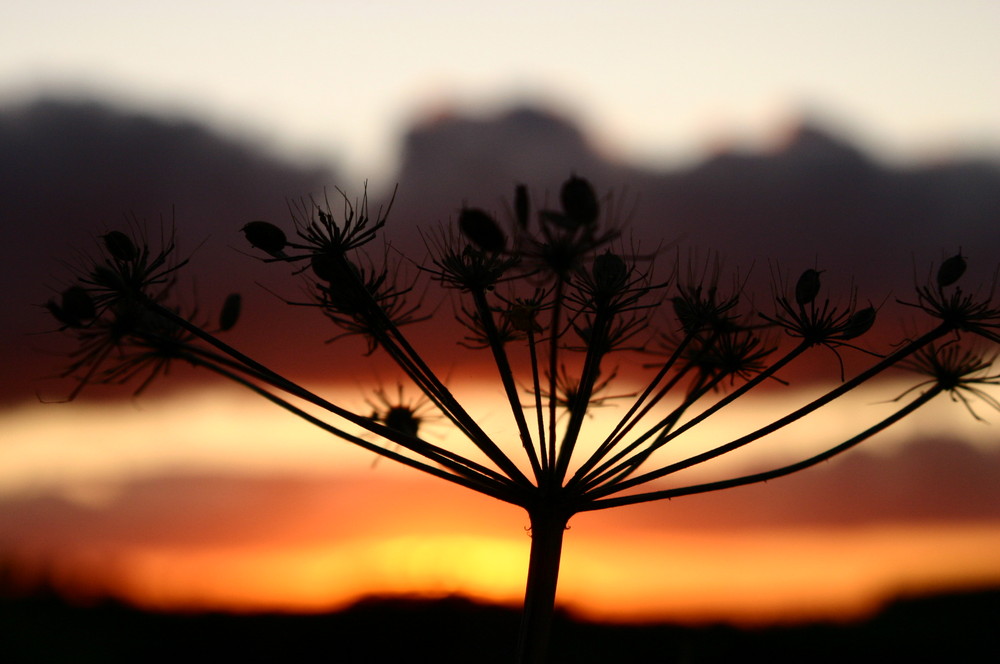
point(394, 531)
point(80, 445)
point(759, 578)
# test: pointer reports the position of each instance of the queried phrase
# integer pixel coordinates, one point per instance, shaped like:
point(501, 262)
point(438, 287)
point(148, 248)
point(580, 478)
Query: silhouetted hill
point(813, 199)
point(958, 627)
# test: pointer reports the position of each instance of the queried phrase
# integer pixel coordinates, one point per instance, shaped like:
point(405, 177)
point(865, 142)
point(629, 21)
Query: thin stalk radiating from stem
point(765, 476)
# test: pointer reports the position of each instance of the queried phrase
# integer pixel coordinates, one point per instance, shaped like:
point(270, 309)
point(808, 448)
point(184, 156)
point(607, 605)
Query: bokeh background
point(861, 138)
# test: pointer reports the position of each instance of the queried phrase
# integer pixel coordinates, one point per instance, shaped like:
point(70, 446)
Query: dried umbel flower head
point(962, 371)
point(958, 309)
point(119, 312)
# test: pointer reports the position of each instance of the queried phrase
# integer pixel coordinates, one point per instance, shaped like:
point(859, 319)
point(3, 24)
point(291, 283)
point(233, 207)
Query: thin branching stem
point(780, 423)
point(391, 337)
point(536, 385)
point(666, 435)
point(479, 482)
point(630, 419)
point(555, 322)
point(661, 430)
point(506, 378)
point(765, 476)
point(265, 374)
point(584, 392)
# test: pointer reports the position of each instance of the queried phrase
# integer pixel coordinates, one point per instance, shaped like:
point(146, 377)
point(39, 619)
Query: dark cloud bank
point(69, 170)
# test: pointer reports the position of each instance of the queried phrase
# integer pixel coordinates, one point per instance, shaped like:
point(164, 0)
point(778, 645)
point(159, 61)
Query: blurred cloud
point(653, 78)
point(928, 483)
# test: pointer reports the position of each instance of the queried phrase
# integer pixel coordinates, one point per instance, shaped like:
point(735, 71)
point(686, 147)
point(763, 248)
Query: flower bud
point(482, 230)
point(859, 322)
point(807, 287)
point(265, 236)
point(610, 272)
point(522, 206)
point(951, 270)
point(579, 201)
point(230, 311)
point(120, 246)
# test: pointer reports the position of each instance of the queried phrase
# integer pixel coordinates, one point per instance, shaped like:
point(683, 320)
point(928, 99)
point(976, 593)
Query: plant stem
point(547, 526)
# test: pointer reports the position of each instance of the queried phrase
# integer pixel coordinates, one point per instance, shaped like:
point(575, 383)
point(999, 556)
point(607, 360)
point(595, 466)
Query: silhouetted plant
point(554, 296)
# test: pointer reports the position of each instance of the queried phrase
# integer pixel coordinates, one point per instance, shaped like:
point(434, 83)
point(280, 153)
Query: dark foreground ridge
point(43, 627)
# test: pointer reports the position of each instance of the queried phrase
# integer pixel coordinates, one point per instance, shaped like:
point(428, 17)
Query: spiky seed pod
point(482, 230)
point(265, 236)
point(610, 272)
point(951, 270)
point(120, 246)
point(230, 311)
point(807, 287)
point(402, 419)
point(522, 206)
point(523, 318)
point(859, 322)
point(579, 201)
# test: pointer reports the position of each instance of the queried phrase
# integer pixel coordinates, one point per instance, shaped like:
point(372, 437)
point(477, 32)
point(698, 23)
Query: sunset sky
point(655, 82)
point(209, 497)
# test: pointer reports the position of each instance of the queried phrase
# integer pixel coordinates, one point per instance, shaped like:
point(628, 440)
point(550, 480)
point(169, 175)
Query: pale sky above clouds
point(655, 81)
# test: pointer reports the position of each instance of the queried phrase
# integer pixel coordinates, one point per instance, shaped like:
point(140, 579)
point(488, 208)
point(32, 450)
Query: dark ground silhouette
point(43, 627)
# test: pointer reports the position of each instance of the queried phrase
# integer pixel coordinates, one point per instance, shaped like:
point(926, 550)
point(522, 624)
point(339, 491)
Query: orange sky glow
point(215, 501)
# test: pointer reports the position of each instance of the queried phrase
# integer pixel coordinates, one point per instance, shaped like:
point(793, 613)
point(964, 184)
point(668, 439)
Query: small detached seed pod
point(482, 230)
point(120, 246)
point(579, 201)
point(230, 311)
point(951, 270)
point(266, 236)
point(807, 287)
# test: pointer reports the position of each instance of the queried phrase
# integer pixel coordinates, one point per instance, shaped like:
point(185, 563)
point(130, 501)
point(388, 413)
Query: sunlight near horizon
point(750, 577)
point(77, 448)
point(385, 530)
